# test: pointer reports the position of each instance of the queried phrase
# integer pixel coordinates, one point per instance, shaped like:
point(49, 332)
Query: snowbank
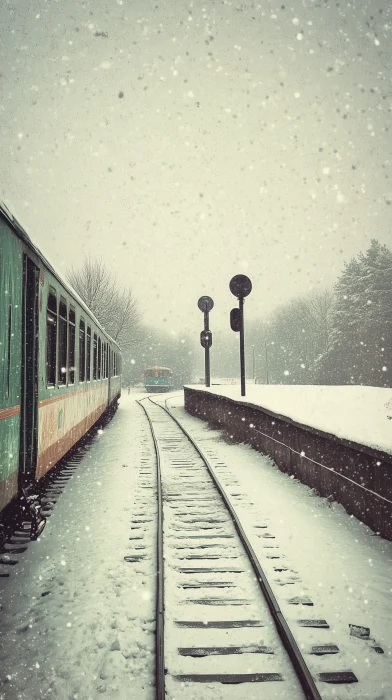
point(360, 414)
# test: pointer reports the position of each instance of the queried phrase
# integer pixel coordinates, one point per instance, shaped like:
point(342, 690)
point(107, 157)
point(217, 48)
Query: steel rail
point(160, 605)
point(303, 673)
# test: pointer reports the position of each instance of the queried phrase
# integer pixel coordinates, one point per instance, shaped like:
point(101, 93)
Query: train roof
point(157, 367)
point(21, 233)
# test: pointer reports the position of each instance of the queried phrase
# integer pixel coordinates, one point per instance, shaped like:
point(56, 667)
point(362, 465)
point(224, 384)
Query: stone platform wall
point(356, 476)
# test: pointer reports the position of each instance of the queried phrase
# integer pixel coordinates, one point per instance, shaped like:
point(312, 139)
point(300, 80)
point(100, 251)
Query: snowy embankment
point(360, 414)
point(339, 562)
point(77, 621)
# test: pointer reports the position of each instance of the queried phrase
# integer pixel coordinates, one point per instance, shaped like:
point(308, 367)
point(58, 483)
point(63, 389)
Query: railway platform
point(78, 607)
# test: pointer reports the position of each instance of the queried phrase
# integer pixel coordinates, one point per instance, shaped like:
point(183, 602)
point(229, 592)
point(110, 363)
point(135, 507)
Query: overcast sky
point(185, 142)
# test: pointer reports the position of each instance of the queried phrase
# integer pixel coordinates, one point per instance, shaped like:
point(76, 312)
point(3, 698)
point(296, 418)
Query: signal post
point(205, 304)
point(240, 286)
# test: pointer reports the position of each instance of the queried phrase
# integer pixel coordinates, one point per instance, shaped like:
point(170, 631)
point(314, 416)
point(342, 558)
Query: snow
point(78, 620)
point(192, 506)
point(361, 414)
point(330, 556)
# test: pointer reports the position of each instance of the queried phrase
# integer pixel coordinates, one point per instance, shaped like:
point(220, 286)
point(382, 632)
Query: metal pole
point(266, 360)
point(207, 354)
point(254, 374)
point(242, 347)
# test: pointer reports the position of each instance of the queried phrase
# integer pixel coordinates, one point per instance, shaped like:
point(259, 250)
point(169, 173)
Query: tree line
point(117, 311)
point(337, 336)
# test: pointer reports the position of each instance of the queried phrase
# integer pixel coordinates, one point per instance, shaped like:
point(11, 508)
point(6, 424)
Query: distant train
point(59, 369)
point(158, 379)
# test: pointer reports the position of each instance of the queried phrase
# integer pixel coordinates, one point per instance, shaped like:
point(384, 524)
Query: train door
point(29, 374)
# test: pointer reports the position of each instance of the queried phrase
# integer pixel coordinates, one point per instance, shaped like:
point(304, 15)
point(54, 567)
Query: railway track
point(220, 631)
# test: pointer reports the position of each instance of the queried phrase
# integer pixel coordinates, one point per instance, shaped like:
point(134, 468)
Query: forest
point(335, 336)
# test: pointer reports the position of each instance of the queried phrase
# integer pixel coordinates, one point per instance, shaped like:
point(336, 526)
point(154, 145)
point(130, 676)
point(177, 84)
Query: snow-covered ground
point(362, 414)
point(342, 566)
point(77, 620)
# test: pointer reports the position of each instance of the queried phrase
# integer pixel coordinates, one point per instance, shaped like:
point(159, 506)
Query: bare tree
point(321, 307)
point(289, 343)
point(115, 308)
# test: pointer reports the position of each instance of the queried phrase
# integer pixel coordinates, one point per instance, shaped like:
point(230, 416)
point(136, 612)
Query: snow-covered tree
point(288, 344)
point(360, 348)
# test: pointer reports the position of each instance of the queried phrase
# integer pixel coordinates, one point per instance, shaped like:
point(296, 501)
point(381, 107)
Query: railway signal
point(235, 320)
point(241, 287)
point(206, 339)
point(205, 305)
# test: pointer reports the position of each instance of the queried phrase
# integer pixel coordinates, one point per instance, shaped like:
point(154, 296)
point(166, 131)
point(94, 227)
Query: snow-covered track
point(190, 489)
point(159, 607)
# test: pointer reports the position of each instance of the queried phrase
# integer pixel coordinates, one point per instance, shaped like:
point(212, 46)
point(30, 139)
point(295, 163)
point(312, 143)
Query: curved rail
point(160, 606)
point(298, 661)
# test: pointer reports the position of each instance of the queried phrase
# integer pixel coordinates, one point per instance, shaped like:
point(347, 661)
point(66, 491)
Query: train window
point(99, 358)
point(71, 345)
point(107, 359)
point(103, 360)
point(88, 363)
point(51, 338)
point(62, 354)
point(7, 388)
point(95, 357)
point(82, 351)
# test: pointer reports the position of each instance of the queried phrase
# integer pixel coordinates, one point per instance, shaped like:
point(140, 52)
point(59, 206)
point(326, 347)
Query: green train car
point(59, 369)
point(158, 379)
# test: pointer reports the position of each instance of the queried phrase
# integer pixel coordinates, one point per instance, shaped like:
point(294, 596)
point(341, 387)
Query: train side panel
point(67, 410)
point(11, 269)
point(115, 388)
point(63, 420)
point(55, 394)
